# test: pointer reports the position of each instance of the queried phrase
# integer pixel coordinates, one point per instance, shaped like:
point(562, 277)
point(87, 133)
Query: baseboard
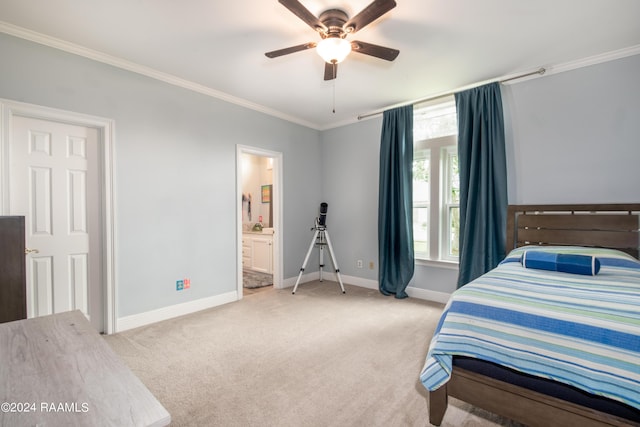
point(164, 313)
point(331, 276)
point(291, 281)
point(425, 294)
point(359, 281)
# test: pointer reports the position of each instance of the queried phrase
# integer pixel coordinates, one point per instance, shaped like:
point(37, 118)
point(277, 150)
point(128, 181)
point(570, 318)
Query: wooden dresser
point(58, 371)
point(13, 291)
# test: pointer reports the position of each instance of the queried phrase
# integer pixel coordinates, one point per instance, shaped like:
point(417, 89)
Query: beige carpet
point(317, 358)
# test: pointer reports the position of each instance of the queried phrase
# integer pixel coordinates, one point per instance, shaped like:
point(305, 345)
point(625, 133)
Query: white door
point(55, 184)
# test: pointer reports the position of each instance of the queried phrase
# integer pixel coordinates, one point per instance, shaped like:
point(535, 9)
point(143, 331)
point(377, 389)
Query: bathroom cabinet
point(257, 252)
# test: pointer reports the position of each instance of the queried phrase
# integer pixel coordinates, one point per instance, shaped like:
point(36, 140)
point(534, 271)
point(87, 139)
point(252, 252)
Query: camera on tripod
point(321, 240)
point(322, 219)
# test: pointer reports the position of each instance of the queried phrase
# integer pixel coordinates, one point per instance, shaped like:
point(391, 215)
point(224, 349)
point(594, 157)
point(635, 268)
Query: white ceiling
point(219, 45)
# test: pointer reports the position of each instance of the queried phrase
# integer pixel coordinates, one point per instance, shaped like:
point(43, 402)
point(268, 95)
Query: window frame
point(446, 203)
point(437, 148)
point(423, 204)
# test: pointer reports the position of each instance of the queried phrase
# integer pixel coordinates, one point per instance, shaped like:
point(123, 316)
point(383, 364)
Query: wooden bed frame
point(599, 225)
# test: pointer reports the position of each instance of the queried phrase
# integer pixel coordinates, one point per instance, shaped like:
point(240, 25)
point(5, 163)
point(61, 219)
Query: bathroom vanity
point(257, 250)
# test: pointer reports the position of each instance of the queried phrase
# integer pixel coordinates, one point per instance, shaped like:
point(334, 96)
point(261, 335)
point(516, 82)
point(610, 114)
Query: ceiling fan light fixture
point(333, 49)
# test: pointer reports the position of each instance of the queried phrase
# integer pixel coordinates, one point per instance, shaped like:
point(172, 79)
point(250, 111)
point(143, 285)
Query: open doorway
point(258, 191)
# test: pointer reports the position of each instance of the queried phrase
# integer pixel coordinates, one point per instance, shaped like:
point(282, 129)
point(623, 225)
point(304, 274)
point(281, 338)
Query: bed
point(542, 379)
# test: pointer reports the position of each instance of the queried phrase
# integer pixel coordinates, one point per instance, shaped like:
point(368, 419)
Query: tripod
point(321, 239)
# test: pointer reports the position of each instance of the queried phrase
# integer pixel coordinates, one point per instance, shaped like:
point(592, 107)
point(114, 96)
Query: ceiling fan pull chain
point(334, 88)
point(334, 96)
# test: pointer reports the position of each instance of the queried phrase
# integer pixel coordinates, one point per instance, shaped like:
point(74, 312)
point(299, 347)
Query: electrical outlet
point(359, 263)
point(187, 283)
point(371, 264)
point(179, 285)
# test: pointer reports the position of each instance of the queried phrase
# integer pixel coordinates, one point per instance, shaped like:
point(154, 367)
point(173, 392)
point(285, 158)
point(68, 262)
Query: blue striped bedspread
point(575, 329)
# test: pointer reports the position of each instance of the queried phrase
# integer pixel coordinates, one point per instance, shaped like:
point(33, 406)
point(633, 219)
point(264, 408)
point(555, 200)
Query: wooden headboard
point(601, 225)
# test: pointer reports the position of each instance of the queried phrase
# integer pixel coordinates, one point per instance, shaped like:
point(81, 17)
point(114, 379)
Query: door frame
point(277, 200)
point(105, 127)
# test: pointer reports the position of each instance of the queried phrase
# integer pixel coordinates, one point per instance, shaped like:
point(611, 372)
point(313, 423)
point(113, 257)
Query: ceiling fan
point(334, 25)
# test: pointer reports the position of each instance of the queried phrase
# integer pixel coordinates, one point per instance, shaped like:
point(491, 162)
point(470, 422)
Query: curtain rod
point(431, 98)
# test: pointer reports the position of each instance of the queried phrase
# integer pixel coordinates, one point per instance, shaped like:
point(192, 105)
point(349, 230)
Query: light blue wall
point(572, 137)
point(350, 187)
point(175, 160)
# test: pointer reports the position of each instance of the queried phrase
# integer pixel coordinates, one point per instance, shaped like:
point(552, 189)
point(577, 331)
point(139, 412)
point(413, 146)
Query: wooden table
point(57, 371)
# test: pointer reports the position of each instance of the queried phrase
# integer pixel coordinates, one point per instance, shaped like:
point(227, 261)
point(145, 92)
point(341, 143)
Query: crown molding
point(595, 59)
point(515, 78)
point(583, 62)
point(95, 55)
point(75, 49)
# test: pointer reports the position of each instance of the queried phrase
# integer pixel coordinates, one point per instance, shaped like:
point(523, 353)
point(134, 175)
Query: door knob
point(28, 251)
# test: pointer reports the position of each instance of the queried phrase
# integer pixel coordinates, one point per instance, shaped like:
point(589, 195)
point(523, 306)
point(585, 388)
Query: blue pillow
point(566, 263)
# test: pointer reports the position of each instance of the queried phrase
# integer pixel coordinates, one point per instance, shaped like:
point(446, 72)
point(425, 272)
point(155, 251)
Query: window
point(436, 183)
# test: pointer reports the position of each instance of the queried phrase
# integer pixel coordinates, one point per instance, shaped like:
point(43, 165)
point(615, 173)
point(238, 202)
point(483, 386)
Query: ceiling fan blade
point(292, 49)
point(369, 14)
point(330, 70)
point(381, 52)
point(303, 13)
